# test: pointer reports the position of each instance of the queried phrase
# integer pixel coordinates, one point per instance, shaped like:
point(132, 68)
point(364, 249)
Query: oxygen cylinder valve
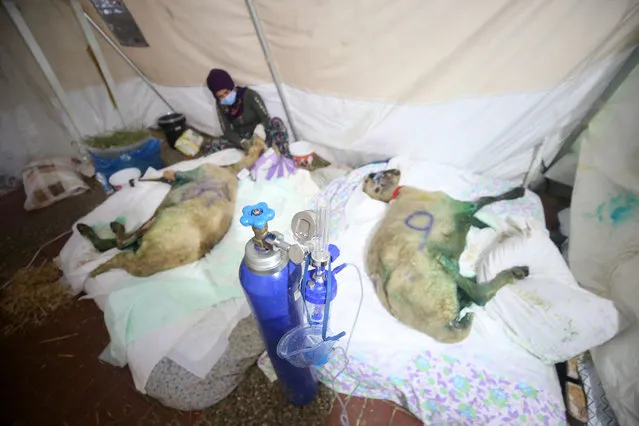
point(257, 217)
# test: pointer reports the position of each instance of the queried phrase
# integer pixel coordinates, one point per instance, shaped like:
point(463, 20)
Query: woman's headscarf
point(219, 80)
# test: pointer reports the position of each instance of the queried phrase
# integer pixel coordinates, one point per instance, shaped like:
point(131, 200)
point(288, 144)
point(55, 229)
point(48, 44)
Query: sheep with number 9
point(413, 258)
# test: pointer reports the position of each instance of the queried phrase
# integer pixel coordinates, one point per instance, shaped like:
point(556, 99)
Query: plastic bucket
point(173, 124)
point(302, 152)
point(124, 178)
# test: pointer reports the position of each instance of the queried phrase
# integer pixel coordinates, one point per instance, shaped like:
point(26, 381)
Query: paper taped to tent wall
point(476, 86)
point(120, 21)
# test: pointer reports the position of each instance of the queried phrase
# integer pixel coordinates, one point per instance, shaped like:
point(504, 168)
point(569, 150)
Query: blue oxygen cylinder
point(271, 283)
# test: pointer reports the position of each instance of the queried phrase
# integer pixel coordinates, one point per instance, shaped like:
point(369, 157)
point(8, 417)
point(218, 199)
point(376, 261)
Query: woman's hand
point(169, 175)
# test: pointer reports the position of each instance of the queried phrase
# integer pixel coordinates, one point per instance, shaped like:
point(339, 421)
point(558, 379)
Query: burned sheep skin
point(413, 258)
point(193, 217)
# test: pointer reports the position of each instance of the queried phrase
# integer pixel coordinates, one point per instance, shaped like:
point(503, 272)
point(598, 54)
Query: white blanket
point(186, 313)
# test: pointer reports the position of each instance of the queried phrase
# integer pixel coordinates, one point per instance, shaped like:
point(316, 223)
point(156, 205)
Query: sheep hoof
point(520, 272)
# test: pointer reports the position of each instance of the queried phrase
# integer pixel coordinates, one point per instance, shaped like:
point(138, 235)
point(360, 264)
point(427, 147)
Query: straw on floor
point(32, 296)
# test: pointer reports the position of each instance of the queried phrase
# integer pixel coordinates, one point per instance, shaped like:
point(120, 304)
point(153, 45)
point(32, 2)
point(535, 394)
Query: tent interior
point(471, 99)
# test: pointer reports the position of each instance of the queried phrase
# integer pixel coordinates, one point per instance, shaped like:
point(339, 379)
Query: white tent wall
point(186, 40)
point(30, 124)
point(604, 236)
point(59, 35)
point(564, 166)
point(474, 85)
point(466, 84)
point(471, 85)
point(32, 117)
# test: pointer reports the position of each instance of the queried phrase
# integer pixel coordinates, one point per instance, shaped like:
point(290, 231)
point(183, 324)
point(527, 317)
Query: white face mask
point(229, 99)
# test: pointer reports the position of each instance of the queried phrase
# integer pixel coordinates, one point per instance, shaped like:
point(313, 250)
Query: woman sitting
point(240, 110)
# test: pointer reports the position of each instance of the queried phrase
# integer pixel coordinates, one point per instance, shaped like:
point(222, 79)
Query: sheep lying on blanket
point(193, 217)
point(413, 257)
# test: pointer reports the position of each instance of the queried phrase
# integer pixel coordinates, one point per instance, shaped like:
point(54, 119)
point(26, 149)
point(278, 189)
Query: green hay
point(118, 139)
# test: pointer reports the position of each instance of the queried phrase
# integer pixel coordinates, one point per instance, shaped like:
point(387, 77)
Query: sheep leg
point(124, 240)
point(482, 293)
point(512, 194)
point(254, 152)
point(100, 244)
point(477, 223)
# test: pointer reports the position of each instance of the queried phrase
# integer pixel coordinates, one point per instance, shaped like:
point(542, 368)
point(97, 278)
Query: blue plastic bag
point(148, 155)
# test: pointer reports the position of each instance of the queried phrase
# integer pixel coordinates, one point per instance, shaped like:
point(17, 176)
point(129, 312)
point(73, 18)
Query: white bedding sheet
point(486, 379)
point(197, 340)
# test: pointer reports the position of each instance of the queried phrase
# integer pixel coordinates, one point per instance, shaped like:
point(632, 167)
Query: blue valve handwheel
point(257, 215)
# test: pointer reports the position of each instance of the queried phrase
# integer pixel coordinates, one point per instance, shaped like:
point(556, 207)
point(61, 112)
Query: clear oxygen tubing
point(320, 253)
point(344, 416)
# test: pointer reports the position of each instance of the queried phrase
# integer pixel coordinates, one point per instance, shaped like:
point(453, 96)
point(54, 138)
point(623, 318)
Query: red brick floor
point(372, 412)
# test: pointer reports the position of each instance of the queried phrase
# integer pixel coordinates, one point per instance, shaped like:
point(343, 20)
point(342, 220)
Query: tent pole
point(126, 59)
point(271, 64)
point(534, 170)
point(45, 67)
point(102, 64)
